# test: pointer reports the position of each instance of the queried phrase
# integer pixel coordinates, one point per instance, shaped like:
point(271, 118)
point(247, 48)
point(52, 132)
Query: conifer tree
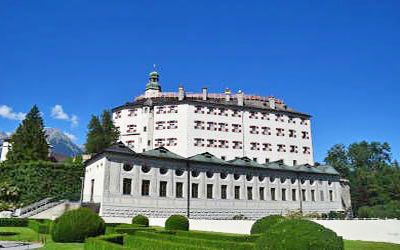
point(111, 133)
point(94, 139)
point(29, 140)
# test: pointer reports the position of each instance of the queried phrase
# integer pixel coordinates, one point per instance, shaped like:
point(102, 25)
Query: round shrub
point(299, 234)
point(76, 225)
point(262, 225)
point(177, 222)
point(140, 220)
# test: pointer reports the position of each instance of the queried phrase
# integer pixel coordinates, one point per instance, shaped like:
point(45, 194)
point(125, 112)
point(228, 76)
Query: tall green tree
point(111, 133)
point(94, 140)
point(29, 141)
point(338, 158)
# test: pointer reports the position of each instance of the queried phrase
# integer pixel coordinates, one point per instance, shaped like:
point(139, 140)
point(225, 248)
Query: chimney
point(240, 98)
point(271, 101)
point(181, 93)
point(227, 95)
point(205, 93)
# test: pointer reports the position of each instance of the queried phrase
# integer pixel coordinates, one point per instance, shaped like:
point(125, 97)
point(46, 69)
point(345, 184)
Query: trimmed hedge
point(140, 220)
point(13, 222)
point(76, 225)
point(131, 230)
point(106, 242)
point(40, 226)
point(172, 237)
point(217, 236)
point(177, 222)
point(264, 224)
point(139, 242)
point(299, 234)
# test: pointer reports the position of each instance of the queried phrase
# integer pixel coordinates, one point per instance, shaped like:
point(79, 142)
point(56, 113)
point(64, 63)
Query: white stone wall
point(108, 175)
point(186, 133)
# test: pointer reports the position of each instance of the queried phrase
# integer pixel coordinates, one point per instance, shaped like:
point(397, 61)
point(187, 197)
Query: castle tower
point(4, 149)
point(153, 88)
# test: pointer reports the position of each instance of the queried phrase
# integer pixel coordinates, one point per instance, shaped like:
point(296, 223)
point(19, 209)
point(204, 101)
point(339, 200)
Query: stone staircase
point(37, 207)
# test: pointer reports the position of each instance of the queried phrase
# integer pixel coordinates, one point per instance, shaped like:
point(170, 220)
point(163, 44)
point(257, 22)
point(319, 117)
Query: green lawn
point(27, 234)
point(366, 245)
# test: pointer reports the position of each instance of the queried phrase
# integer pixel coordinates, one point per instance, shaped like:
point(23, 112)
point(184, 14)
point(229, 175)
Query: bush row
point(13, 222)
point(40, 226)
point(217, 236)
point(107, 242)
point(204, 243)
point(390, 210)
point(140, 242)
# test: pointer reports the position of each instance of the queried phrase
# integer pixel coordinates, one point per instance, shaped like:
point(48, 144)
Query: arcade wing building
point(212, 156)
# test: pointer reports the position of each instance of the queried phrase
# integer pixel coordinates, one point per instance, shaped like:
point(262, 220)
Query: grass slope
point(367, 245)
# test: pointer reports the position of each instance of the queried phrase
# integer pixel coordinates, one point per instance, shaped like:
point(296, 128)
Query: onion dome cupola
point(153, 81)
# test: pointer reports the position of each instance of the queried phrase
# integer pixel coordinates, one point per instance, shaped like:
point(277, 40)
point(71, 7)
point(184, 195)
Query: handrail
point(33, 206)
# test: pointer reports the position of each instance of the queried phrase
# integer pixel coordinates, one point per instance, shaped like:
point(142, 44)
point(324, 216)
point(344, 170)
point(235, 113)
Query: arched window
point(163, 170)
point(236, 176)
point(195, 173)
point(261, 178)
point(145, 169)
point(179, 172)
point(209, 174)
point(249, 177)
point(223, 175)
point(292, 180)
point(271, 179)
point(283, 179)
point(127, 167)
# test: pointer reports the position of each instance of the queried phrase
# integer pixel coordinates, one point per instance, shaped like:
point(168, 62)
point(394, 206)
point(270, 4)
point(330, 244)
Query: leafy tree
point(94, 141)
point(29, 140)
point(338, 158)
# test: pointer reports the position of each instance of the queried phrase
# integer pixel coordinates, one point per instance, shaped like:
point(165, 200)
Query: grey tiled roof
point(119, 147)
point(208, 158)
point(245, 161)
point(162, 153)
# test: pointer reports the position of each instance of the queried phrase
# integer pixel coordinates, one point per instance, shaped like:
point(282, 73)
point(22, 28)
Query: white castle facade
point(210, 156)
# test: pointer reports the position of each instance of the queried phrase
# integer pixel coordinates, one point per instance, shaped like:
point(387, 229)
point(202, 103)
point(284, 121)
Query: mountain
point(61, 143)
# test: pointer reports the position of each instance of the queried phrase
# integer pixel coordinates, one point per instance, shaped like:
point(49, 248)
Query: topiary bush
point(140, 220)
point(299, 234)
point(177, 222)
point(76, 225)
point(264, 224)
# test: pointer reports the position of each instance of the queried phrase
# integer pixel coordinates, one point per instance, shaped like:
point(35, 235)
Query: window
point(292, 133)
point(321, 195)
point(306, 150)
point(273, 194)
point(249, 193)
point(117, 114)
point(198, 142)
point(223, 127)
point(209, 191)
point(253, 130)
point(159, 125)
point(212, 126)
point(148, 142)
point(173, 109)
point(237, 192)
point(237, 145)
point(172, 141)
point(199, 125)
point(303, 121)
point(254, 146)
point(179, 190)
point(265, 130)
point(293, 194)
point(281, 148)
point(223, 191)
point(145, 169)
point(303, 195)
point(195, 173)
point(237, 128)
point(198, 109)
point(223, 157)
point(267, 147)
point(262, 193)
point(130, 143)
point(291, 120)
point(304, 135)
point(211, 143)
point(195, 190)
point(293, 149)
point(163, 171)
point(126, 186)
point(330, 195)
point(131, 128)
point(163, 189)
point(294, 162)
point(280, 132)
point(312, 195)
point(266, 160)
point(127, 167)
point(159, 142)
point(284, 194)
point(172, 124)
point(145, 188)
point(236, 176)
point(279, 118)
point(144, 129)
point(255, 159)
point(253, 115)
point(209, 174)
point(236, 113)
point(223, 143)
point(264, 116)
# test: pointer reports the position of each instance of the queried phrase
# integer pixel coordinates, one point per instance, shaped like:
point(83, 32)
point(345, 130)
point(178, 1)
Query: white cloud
point(57, 112)
point(7, 112)
point(70, 136)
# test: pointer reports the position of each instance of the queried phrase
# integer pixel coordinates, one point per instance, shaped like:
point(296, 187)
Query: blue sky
point(336, 60)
